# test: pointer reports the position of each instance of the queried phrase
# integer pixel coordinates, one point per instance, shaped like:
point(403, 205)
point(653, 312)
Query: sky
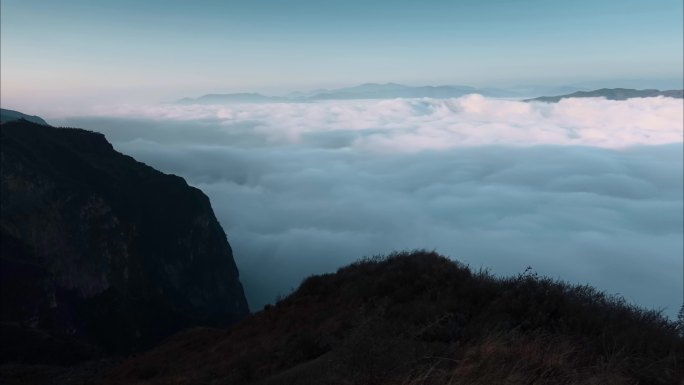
point(71, 51)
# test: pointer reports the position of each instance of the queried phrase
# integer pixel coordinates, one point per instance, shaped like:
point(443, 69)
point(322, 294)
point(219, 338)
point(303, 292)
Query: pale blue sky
point(175, 47)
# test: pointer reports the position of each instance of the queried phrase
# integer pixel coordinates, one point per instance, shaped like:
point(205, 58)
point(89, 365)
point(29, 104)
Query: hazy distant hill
point(364, 91)
point(243, 97)
point(11, 115)
point(384, 91)
point(612, 94)
point(394, 90)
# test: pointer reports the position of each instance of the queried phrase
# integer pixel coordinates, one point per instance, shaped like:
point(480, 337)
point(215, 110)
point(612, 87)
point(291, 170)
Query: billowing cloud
point(420, 124)
point(586, 190)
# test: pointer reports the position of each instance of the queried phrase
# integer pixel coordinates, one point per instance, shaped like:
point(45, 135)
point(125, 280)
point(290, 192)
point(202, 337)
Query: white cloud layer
point(586, 190)
point(419, 124)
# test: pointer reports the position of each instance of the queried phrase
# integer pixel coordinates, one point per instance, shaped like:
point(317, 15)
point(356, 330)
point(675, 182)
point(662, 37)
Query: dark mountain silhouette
point(612, 94)
point(11, 115)
point(102, 254)
point(418, 318)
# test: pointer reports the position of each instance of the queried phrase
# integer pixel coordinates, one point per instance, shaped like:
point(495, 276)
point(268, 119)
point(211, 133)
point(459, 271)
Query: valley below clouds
point(585, 190)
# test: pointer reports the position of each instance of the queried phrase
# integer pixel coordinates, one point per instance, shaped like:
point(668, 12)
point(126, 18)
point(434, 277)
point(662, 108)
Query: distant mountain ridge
point(373, 91)
point(612, 94)
point(363, 91)
point(11, 115)
point(242, 97)
point(395, 90)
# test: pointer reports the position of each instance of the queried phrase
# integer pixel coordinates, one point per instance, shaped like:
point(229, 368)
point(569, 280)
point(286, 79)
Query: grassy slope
point(419, 318)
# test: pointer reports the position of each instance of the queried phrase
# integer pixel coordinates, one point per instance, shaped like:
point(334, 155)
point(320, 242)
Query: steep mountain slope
point(11, 115)
point(419, 318)
point(612, 94)
point(100, 253)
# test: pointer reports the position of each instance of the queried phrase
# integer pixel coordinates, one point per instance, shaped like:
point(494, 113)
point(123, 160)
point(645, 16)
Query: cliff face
point(102, 251)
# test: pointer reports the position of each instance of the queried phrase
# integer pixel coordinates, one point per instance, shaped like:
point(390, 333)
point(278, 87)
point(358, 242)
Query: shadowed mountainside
point(102, 254)
point(612, 94)
point(420, 318)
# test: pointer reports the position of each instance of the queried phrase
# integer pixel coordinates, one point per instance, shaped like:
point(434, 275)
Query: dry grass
point(519, 359)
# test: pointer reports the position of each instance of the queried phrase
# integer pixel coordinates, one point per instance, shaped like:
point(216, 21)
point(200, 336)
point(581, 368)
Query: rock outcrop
point(100, 253)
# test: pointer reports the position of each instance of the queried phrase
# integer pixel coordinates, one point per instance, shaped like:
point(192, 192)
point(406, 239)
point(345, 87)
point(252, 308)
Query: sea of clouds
point(585, 190)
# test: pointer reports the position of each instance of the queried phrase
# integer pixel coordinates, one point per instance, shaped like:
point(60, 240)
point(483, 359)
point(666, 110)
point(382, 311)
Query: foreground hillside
point(419, 318)
point(102, 254)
